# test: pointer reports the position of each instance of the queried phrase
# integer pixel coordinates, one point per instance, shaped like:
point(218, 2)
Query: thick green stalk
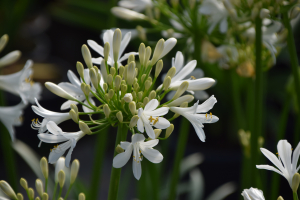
point(295, 196)
point(101, 144)
point(182, 140)
point(116, 172)
point(54, 193)
point(258, 100)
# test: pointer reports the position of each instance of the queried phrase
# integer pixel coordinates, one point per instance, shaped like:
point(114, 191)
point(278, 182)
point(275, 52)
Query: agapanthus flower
point(136, 5)
point(139, 148)
point(253, 194)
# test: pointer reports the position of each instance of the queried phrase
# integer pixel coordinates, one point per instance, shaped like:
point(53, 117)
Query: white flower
point(286, 166)
point(217, 13)
point(57, 136)
point(48, 116)
point(12, 116)
point(21, 84)
point(150, 117)
point(253, 194)
point(128, 97)
point(138, 147)
point(108, 37)
point(197, 120)
point(136, 5)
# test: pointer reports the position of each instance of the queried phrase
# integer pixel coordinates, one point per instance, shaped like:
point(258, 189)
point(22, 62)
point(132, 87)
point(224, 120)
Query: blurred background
point(51, 33)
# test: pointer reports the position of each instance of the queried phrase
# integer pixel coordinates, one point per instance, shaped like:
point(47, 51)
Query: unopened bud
point(136, 72)
point(159, 66)
point(119, 149)
point(141, 33)
point(118, 80)
point(44, 167)
point(264, 13)
point(145, 101)
point(171, 72)
point(111, 93)
point(81, 196)
point(130, 73)
point(74, 171)
point(169, 130)
point(104, 71)
point(106, 110)
point(106, 51)
point(148, 85)
point(134, 95)
point(23, 183)
point(280, 198)
point(139, 105)
point(117, 37)
point(121, 70)
point(157, 132)
point(128, 97)
point(143, 77)
point(123, 90)
point(87, 89)
point(136, 87)
point(125, 72)
point(20, 196)
point(37, 198)
point(74, 116)
point(184, 105)
point(157, 51)
point(152, 95)
point(132, 107)
point(130, 59)
point(105, 87)
point(87, 56)
point(147, 56)
point(140, 95)
point(80, 69)
point(109, 79)
point(142, 51)
point(31, 193)
point(59, 91)
point(120, 116)
point(45, 196)
point(60, 198)
point(182, 88)
point(167, 82)
point(84, 128)
point(295, 182)
point(39, 187)
point(254, 12)
point(6, 188)
point(133, 121)
point(112, 71)
point(94, 78)
point(294, 13)
point(3, 41)
point(61, 178)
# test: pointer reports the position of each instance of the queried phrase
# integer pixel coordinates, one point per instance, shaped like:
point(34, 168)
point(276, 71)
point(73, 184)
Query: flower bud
point(254, 12)
point(130, 73)
point(182, 88)
point(295, 182)
point(105, 87)
point(147, 56)
point(167, 82)
point(125, 72)
point(280, 198)
point(264, 13)
point(45, 196)
point(103, 71)
point(149, 79)
point(23, 183)
point(147, 85)
point(171, 72)
point(127, 14)
point(10, 58)
point(157, 51)
point(130, 59)
point(60, 198)
point(184, 105)
point(44, 167)
point(20, 196)
point(61, 178)
point(145, 101)
point(133, 121)
point(39, 187)
point(74, 116)
point(94, 78)
point(157, 132)
point(140, 95)
point(6, 188)
point(128, 97)
point(81, 196)
point(87, 56)
point(159, 66)
point(59, 91)
point(117, 37)
point(31, 193)
point(37, 198)
point(106, 110)
point(294, 13)
point(106, 51)
point(132, 107)
point(152, 95)
point(118, 80)
point(141, 33)
point(84, 128)
point(143, 77)
point(112, 71)
point(121, 70)
point(136, 87)
point(106, 97)
point(123, 90)
point(169, 130)
point(180, 100)
point(111, 93)
point(80, 69)
point(139, 105)
point(74, 171)
point(119, 149)
point(109, 79)
point(136, 72)
point(134, 95)
point(3, 41)
point(120, 116)
point(87, 89)
point(142, 51)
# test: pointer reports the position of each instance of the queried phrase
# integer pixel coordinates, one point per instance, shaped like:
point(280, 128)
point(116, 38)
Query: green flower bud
point(132, 107)
point(106, 110)
point(145, 101)
point(121, 70)
point(74, 107)
point(157, 51)
point(104, 71)
point(23, 183)
point(136, 87)
point(94, 78)
point(149, 79)
point(140, 95)
point(59, 91)
point(123, 90)
point(20, 196)
point(142, 51)
point(81, 196)
point(3, 41)
point(112, 71)
point(157, 132)
point(295, 182)
point(44, 167)
point(169, 130)
point(147, 56)
point(111, 93)
point(280, 198)
point(134, 95)
point(6, 188)
point(120, 116)
point(119, 149)
point(109, 79)
point(152, 95)
point(31, 193)
point(159, 66)
point(105, 87)
point(106, 51)
point(37, 198)
point(117, 37)
point(74, 171)
point(80, 69)
point(125, 73)
point(167, 83)
point(135, 74)
point(39, 187)
point(130, 59)
point(87, 56)
point(118, 80)
point(87, 89)
point(74, 116)
point(130, 73)
point(45, 196)
point(133, 121)
point(148, 85)
point(143, 77)
point(123, 82)
point(182, 88)
point(171, 72)
point(61, 178)
point(84, 128)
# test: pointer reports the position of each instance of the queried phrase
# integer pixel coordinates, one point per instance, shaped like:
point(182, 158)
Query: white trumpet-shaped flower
point(57, 136)
point(253, 194)
point(139, 149)
point(48, 116)
point(11, 116)
point(136, 5)
point(108, 37)
point(197, 120)
point(20, 84)
point(286, 165)
point(149, 116)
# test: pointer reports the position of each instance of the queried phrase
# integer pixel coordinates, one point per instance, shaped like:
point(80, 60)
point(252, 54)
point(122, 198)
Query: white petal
point(152, 155)
point(124, 43)
point(197, 73)
point(53, 128)
point(207, 105)
point(60, 150)
point(285, 152)
point(121, 159)
point(199, 131)
point(162, 123)
point(223, 25)
point(137, 138)
point(268, 167)
point(68, 157)
point(273, 159)
point(49, 138)
point(296, 154)
point(137, 169)
point(151, 105)
point(168, 46)
point(178, 61)
point(97, 60)
point(149, 131)
point(158, 112)
point(126, 55)
point(140, 125)
point(125, 145)
point(73, 79)
point(150, 143)
point(85, 109)
point(186, 70)
point(67, 104)
point(94, 45)
point(200, 95)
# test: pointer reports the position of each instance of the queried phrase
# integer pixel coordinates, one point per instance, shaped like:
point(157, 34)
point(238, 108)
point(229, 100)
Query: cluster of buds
point(42, 188)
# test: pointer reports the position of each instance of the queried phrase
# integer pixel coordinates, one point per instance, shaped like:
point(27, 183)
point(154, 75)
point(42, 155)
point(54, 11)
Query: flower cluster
point(115, 94)
point(19, 84)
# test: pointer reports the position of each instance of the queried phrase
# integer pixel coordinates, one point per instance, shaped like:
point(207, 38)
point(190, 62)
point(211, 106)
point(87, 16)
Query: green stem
point(54, 193)
point(46, 185)
point(68, 192)
point(182, 140)
point(60, 191)
point(116, 172)
point(100, 148)
point(258, 100)
point(295, 196)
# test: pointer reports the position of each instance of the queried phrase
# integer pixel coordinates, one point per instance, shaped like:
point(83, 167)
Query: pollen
point(151, 119)
point(193, 77)
point(156, 120)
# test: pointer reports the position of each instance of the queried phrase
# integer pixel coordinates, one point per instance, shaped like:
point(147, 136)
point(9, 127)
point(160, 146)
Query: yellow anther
point(133, 156)
point(210, 115)
point(151, 118)
point(33, 120)
point(206, 115)
point(36, 120)
point(50, 150)
point(193, 77)
point(31, 83)
point(155, 121)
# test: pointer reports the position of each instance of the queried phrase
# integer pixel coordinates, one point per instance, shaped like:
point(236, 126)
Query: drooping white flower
point(149, 117)
point(57, 136)
point(21, 84)
point(197, 120)
point(138, 147)
point(253, 194)
point(11, 116)
point(286, 165)
point(108, 37)
point(48, 116)
point(136, 5)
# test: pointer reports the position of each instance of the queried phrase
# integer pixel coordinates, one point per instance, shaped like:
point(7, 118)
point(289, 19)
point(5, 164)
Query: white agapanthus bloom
point(138, 147)
point(20, 84)
point(217, 14)
point(253, 194)
point(150, 116)
point(136, 5)
point(197, 120)
point(11, 116)
point(108, 37)
point(286, 165)
point(187, 72)
point(57, 136)
point(47, 117)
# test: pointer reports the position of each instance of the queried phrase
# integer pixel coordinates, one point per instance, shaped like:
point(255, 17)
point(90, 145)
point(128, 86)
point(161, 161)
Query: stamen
point(193, 77)
point(151, 118)
point(156, 120)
